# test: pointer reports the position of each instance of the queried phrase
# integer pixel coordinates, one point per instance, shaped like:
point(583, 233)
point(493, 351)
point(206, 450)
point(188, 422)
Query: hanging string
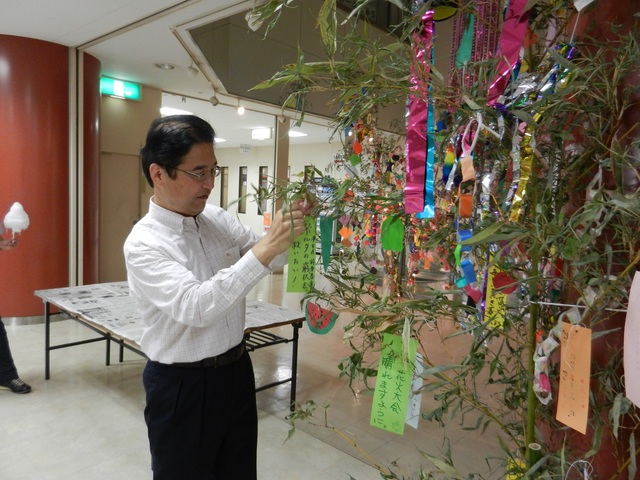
point(584, 468)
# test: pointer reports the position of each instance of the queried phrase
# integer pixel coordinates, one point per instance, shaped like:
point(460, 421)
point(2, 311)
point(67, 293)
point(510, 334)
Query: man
point(190, 266)
point(9, 379)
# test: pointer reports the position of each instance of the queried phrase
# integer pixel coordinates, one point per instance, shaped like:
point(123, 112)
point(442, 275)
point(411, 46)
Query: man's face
point(185, 194)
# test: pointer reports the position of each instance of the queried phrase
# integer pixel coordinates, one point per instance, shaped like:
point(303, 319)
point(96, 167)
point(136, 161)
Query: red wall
point(34, 151)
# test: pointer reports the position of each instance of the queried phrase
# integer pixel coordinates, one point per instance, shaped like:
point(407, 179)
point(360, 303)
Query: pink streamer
point(417, 119)
point(511, 39)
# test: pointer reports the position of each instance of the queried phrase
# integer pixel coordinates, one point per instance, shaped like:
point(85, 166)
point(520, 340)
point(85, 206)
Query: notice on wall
point(393, 385)
point(575, 371)
point(302, 259)
point(632, 343)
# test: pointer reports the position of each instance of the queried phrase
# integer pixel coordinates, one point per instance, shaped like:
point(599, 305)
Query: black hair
point(170, 138)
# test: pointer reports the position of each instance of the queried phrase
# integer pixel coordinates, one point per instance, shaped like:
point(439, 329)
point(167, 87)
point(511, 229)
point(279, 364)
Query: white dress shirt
point(190, 277)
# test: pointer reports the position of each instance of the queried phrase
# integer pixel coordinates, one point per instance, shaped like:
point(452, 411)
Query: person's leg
point(9, 379)
point(237, 454)
point(202, 423)
point(8, 370)
point(174, 417)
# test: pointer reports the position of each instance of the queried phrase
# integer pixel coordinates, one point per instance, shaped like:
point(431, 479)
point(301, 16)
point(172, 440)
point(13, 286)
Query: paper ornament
point(319, 320)
point(16, 219)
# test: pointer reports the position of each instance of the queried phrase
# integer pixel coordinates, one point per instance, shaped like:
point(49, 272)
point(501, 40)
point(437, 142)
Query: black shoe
point(16, 386)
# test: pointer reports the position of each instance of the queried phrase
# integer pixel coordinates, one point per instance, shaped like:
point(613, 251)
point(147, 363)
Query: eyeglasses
point(202, 177)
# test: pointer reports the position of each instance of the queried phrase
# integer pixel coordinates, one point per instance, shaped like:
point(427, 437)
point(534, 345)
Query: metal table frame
point(256, 337)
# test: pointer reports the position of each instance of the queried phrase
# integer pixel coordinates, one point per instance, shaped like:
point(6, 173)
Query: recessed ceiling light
point(296, 133)
point(164, 66)
point(263, 133)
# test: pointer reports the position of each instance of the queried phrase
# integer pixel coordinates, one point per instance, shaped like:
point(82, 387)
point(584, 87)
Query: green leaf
point(471, 103)
point(443, 467)
point(439, 369)
point(615, 414)
point(525, 117)
point(327, 22)
point(489, 234)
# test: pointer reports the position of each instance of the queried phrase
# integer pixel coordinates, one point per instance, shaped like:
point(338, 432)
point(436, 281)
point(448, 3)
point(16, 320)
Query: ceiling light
point(164, 66)
point(296, 133)
point(240, 109)
point(219, 140)
point(261, 134)
point(166, 111)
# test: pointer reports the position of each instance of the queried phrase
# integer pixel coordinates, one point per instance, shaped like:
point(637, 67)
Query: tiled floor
point(85, 423)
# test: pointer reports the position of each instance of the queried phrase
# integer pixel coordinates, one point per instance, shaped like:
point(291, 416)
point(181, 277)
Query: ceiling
point(130, 36)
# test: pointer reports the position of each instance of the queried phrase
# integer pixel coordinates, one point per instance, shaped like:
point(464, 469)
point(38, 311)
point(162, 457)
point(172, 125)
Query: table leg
point(47, 340)
point(294, 364)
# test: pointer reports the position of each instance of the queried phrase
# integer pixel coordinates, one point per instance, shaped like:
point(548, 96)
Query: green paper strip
point(354, 159)
point(393, 385)
point(463, 55)
point(392, 234)
point(326, 239)
point(302, 260)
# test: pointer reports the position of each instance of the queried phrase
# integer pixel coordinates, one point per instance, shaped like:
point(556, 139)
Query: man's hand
point(286, 226)
point(8, 244)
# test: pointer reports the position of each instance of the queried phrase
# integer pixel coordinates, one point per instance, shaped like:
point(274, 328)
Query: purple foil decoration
point(511, 39)
point(417, 112)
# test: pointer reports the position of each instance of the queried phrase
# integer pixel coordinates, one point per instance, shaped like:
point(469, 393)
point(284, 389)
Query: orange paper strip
point(465, 205)
point(466, 165)
point(575, 371)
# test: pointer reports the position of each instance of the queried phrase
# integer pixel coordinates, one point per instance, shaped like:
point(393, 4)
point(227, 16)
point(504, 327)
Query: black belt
point(225, 358)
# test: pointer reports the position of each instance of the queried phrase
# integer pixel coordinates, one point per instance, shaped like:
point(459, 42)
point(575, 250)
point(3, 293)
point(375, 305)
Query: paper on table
point(632, 343)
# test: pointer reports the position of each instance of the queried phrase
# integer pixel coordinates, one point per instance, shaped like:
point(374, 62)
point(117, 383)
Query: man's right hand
point(287, 225)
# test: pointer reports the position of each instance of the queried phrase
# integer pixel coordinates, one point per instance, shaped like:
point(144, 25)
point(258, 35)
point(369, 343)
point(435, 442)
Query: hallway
point(86, 421)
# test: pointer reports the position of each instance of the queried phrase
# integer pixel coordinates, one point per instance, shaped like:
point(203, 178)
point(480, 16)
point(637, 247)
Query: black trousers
point(202, 422)
point(8, 370)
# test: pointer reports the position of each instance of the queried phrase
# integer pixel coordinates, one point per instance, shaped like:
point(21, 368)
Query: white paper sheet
point(632, 343)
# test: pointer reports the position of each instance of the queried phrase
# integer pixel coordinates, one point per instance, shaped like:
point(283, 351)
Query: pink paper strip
point(417, 118)
point(511, 39)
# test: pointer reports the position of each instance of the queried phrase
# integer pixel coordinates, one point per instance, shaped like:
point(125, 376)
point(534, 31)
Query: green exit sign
point(119, 88)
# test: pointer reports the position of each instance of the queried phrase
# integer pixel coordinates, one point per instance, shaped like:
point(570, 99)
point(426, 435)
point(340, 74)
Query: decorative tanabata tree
point(518, 174)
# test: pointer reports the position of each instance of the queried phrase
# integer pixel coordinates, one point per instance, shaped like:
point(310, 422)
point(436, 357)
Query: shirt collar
point(170, 219)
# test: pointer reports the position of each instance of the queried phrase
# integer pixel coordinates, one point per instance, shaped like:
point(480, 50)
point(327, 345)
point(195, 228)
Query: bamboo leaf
point(439, 369)
point(525, 117)
point(615, 414)
point(443, 467)
point(327, 22)
point(489, 234)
